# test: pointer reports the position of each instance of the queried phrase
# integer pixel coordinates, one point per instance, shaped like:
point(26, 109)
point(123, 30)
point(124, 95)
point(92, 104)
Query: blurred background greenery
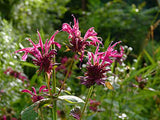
point(134, 22)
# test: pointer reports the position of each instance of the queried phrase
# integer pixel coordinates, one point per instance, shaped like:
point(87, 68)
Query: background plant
point(117, 103)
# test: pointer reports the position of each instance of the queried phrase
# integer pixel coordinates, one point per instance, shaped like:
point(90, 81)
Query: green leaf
point(149, 57)
point(28, 64)
point(140, 71)
point(158, 2)
point(31, 112)
point(67, 92)
point(71, 99)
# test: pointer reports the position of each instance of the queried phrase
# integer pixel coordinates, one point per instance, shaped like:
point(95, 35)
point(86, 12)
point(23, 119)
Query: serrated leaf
point(109, 86)
point(31, 112)
point(71, 99)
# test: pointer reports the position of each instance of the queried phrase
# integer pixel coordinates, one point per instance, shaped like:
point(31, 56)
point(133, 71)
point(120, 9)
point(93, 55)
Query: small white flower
point(135, 60)
point(68, 89)
point(126, 47)
point(11, 63)
point(133, 68)
point(123, 116)
point(151, 89)
point(84, 65)
point(130, 48)
point(137, 10)
point(123, 64)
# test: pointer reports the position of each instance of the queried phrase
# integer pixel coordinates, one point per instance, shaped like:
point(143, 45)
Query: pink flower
point(93, 105)
point(43, 58)
point(97, 63)
point(1, 91)
point(4, 117)
point(112, 54)
point(34, 95)
point(15, 74)
point(77, 43)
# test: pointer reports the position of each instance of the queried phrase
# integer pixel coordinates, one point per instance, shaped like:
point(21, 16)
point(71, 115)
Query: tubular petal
point(41, 88)
point(34, 90)
point(27, 91)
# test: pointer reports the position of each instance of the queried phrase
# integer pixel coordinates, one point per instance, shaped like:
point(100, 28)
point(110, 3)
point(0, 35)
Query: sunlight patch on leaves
point(71, 99)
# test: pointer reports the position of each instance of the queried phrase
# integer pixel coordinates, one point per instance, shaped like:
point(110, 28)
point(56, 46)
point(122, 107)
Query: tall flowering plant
point(43, 57)
point(97, 67)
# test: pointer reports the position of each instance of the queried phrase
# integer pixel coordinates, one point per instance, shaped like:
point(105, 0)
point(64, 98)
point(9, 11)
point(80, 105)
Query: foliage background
point(134, 22)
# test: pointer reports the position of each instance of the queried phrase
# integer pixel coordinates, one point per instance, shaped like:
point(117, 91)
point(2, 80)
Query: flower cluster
point(77, 43)
point(97, 65)
point(43, 58)
point(15, 74)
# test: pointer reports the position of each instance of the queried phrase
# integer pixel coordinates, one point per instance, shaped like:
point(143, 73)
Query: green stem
point(54, 89)
point(111, 107)
point(69, 70)
point(86, 102)
point(41, 114)
point(48, 83)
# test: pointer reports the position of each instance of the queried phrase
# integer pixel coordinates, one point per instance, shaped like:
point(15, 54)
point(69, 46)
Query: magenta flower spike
point(97, 65)
point(43, 58)
point(112, 54)
point(34, 95)
point(77, 43)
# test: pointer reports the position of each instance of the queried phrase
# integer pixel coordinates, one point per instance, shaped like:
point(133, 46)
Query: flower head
point(93, 105)
point(34, 95)
point(77, 43)
point(15, 74)
point(141, 81)
point(97, 65)
point(76, 113)
point(43, 58)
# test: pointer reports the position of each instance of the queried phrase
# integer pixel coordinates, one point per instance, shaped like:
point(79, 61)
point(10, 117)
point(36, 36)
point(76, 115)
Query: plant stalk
point(47, 77)
point(41, 114)
point(86, 102)
point(69, 70)
point(54, 89)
